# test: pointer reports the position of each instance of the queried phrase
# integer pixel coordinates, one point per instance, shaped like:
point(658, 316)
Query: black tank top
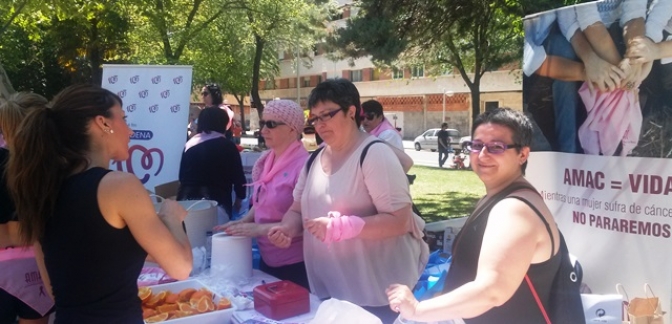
point(522, 307)
point(93, 266)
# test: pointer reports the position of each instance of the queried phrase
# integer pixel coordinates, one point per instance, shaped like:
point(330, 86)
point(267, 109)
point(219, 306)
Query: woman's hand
point(317, 227)
point(278, 236)
point(602, 74)
point(402, 300)
point(642, 50)
point(244, 229)
point(171, 209)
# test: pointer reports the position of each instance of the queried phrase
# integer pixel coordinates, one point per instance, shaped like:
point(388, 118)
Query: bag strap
point(537, 299)
point(312, 157)
point(366, 150)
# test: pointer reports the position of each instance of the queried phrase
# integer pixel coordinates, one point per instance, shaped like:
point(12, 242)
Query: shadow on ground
point(441, 206)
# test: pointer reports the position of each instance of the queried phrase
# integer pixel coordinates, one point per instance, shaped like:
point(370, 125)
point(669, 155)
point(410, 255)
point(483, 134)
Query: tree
point(470, 36)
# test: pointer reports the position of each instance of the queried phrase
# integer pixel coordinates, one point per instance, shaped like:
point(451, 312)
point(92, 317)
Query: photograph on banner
point(156, 102)
point(598, 86)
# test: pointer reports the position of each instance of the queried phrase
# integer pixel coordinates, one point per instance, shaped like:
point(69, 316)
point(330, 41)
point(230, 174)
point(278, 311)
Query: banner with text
point(156, 102)
point(601, 147)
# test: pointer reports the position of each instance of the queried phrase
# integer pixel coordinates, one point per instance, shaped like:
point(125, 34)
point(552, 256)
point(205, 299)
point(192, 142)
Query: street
point(423, 158)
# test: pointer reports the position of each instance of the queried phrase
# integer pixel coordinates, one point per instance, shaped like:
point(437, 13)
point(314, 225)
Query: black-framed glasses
point(494, 147)
point(270, 124)
point(323, 118)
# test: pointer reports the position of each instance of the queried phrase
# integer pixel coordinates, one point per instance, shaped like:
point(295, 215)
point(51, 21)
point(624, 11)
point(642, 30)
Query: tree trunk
point(6, 88)
point(95, 54)
point(475, 88)
point(259, 44)
point(241, 103)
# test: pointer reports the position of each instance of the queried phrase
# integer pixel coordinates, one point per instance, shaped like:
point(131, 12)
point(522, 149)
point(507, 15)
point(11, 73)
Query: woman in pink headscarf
point(274, 176)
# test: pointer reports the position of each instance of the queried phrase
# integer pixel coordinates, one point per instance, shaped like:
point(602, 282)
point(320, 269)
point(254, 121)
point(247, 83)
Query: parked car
point(429, 140)
point(464, 141)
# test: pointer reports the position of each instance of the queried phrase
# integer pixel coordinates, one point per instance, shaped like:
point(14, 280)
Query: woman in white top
point(360, 234)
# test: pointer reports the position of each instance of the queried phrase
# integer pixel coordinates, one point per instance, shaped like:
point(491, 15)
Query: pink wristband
point(342, 227)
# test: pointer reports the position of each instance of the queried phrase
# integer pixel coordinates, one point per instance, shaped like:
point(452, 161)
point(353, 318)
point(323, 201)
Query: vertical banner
point(156, 102)
point(601, 104)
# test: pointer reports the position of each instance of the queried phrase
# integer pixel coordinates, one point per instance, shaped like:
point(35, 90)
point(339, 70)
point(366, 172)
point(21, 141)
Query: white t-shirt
point(393, 137)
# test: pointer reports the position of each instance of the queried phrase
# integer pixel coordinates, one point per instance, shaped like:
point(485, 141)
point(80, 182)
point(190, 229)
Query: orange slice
point(185, 294)
point(200, 305)
point(148, 312)
point(157, 299)
point(144, 293)
point(165, 308)
point(157, 318)
point(172, 298)
point(223, 303)
point(185, 307)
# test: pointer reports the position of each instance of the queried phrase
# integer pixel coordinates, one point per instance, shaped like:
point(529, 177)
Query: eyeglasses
point(494, 147)
point(323, 118)
point(270, 124)
point(369, 116)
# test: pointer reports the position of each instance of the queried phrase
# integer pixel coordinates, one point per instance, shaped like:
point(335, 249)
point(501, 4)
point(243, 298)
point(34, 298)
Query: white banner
point(156, 101)
point(616, 216)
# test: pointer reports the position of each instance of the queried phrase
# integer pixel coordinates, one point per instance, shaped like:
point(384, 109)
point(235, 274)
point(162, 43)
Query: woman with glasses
point(508, 247)
point(274, 177)
point(359, 234)
point(211, 166)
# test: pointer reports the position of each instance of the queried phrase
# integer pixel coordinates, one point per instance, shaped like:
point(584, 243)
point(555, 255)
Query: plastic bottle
point(208, 248)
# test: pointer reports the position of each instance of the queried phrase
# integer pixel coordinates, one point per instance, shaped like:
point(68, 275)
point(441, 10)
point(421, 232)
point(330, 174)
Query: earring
point(108, 130)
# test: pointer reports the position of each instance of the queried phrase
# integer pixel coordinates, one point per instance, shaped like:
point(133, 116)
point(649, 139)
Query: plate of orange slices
point(184, 302)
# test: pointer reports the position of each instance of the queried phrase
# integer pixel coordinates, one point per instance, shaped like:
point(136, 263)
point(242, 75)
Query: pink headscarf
point(613, 117)
point(286, 111)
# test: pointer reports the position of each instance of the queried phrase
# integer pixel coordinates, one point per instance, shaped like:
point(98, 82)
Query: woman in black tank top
point(503, 243)
point(91, 227)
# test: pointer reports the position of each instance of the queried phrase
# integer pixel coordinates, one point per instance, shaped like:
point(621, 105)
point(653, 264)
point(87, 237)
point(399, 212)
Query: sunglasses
point(323, 118)
point(270, 124)
point(369, 116)
point(494, 147)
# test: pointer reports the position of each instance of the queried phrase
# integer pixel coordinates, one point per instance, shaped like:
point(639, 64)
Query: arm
point(601, 42)
point(247, 227)
point(659, 16)
point(124, 202)
point(291, 226)
point(510, 244)
point(560, 68)
point(39, 258)
point(599, 72)
point(405, 160)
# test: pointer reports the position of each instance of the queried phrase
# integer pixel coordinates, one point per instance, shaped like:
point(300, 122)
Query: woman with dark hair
point(509, 251)
point(212, 97)
point(211, 165)
point(19, 297)
point(91, 227)
point(359, 233)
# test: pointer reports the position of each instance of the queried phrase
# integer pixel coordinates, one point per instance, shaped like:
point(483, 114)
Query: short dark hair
point(339, 91)
point(372, 106)
point(444, 125)
point(215, 93)
point(212, 119)
point(519, 124)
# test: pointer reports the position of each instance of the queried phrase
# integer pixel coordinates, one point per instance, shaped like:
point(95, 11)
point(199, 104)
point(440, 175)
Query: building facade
point(411, 100)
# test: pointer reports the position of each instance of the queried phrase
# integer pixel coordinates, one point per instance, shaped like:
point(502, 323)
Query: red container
point(281, 299)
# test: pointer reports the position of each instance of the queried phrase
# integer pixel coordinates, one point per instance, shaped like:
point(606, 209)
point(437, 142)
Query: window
point(306, 82)
point(356, 75)
point(418, 71)
point(397, 73)
point(490, 105)
point(453, 133)
point(269, 84)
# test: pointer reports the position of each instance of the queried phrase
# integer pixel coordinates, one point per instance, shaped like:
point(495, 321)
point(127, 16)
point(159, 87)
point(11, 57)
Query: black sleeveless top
point(522, 307)
point(93, 266)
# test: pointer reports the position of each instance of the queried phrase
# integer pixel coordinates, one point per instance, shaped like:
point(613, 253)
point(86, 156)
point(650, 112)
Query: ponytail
point(51, 144)
point(34, 172)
